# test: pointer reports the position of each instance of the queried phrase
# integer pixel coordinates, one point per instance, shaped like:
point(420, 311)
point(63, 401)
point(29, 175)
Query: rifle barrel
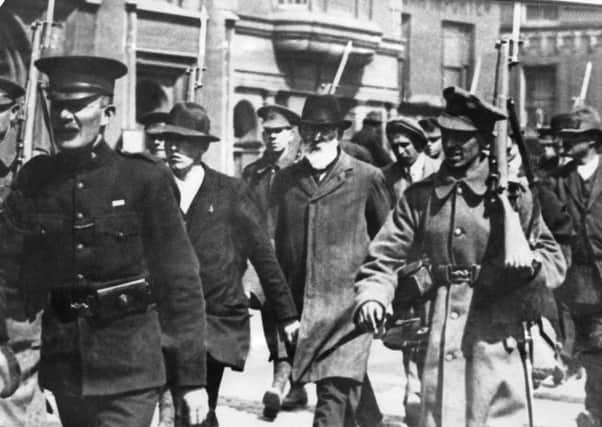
point(342, 64)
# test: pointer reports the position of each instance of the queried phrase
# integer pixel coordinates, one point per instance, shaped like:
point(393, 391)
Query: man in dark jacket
point(328, 207)
point(579, 185)
point(370, 138)
point(226, 230)
point(106, 255)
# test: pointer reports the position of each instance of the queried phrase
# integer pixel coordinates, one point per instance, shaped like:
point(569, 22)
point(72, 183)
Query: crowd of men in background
point(127, 268)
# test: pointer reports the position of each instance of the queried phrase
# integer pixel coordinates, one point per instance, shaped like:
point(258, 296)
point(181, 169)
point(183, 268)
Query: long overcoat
point(98, 216)
point(322, 236)
point(472, 373)
point(226, 230)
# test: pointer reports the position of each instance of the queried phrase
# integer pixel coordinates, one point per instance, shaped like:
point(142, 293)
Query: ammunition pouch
point(103, 302)
point(410, 334)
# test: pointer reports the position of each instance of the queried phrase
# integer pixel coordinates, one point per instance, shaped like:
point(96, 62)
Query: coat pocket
point(119, 240)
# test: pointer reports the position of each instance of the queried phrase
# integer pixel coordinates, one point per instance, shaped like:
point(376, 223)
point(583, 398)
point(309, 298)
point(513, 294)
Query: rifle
point(579, 101)
point(41, 40)
point(331, 88)
point(195, 73)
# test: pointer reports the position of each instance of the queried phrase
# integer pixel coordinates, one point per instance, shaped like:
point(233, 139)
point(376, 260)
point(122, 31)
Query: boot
point(272, 398)
point(295, 399)
point(210, 420)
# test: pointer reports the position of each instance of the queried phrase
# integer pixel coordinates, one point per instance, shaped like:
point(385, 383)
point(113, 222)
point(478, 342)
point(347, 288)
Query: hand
point(291, 330)
point(371, 317)
point(196, 405)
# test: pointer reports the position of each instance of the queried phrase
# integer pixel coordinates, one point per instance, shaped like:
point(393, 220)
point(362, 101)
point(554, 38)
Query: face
point(182, 154)
point(8, 114)
point(578, 147)
point(277, 139)
point(156, 146)
point(460, 147)
point(433, 145)
point(404, 150)
point(315, 137)
point(78, 123)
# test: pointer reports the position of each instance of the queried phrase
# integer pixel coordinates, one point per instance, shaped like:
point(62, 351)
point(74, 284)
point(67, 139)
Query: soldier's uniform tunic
point(96, 215)
point(470, 376)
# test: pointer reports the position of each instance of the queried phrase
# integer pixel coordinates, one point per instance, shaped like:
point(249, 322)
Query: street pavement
point(240, 402)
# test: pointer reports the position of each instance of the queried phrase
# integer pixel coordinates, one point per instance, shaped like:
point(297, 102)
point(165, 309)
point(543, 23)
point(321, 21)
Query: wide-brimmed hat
point(323, 110)
point(9, 92)
point(188, 120)
point(275, 116)
point(78, 77)
point(409, 127)
point(467, 112)
point(585, 120)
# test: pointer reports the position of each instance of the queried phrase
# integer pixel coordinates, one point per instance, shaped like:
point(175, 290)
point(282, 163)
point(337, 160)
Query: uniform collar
point(474, 181)
point(88, 157)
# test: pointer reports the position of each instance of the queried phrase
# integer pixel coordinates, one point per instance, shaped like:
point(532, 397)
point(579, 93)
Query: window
point(458, 47)
point(541, 92)
point(541, 12)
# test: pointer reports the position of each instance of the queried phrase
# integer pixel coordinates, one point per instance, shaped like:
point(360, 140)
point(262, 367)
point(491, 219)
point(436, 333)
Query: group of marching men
point(132, 264)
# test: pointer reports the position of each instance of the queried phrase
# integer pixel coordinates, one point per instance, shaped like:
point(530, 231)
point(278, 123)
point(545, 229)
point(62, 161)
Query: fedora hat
point(585, 120)
point(74, 78)
point(321, 110)
point(188, 120)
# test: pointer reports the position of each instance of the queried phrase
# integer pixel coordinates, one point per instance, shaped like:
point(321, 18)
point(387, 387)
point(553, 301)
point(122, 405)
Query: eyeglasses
point(310, 130)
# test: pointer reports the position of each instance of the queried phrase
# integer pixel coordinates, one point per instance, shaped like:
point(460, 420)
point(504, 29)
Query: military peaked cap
point(274, 115)
point(465, 111)
point(9, 92)
point(78, 77)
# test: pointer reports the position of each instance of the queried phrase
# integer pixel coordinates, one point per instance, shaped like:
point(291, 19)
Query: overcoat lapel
point(571, 184)
point(596, 186)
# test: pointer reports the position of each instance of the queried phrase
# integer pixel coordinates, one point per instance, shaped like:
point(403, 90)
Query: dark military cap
point(465, 111)
point(373, 118)
point(9, 92)
point(274, 116)
point(321, 110)
point(409, 127)
point(78, 77)
point(188, 120)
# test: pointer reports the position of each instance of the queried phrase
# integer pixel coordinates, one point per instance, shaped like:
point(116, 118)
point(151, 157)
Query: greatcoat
point(322, 236)
point(472, 372)
point(226, 230)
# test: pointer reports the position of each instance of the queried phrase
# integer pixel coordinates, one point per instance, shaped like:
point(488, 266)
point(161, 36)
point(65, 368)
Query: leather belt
point(450, 274)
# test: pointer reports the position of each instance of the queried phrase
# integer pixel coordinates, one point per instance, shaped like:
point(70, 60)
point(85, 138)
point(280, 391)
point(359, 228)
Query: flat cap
point(274, 115)
point(9, 92)
point(465, 111)
point(409, 127)
point(78, 77)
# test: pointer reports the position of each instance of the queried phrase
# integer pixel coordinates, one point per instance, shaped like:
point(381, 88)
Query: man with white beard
point(328, 207)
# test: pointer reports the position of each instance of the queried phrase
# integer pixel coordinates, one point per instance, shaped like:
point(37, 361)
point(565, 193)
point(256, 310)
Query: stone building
point(263, 51)
point(560, 38)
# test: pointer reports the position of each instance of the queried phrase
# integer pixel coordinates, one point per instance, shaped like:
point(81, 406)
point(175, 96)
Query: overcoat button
point(459, 190)
point(80, 185)
point(458, 231)
point(80, 215)
point(123, 300)
point(79, 276)
point(454, 315)
point(79, 246)
point(449, 357)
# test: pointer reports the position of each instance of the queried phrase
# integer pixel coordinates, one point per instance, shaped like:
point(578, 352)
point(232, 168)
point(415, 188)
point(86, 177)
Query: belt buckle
point(457, 275)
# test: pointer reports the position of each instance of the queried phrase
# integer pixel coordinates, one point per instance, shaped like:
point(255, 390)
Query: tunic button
point(80, 185)
point(79, 276)
point(123, 300)
point(458, 231)
point(43, 231)
point(79, 246)
point(449, 357)
point(454, 315)
point(80, 215)
point(93, 155)
point(459, 190)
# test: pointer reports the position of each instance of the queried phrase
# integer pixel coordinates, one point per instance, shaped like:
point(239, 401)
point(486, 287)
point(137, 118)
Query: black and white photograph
point(300, 213)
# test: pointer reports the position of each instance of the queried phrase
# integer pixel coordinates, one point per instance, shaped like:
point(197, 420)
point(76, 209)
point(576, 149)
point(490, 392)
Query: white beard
point(321, 155)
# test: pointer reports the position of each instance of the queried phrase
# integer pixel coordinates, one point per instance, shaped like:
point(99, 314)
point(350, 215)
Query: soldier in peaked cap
point(106, 255)
point(329, 205)
point(473, 373)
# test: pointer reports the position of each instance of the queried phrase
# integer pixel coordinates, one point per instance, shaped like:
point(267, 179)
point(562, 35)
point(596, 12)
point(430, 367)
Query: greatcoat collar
point(475, 181)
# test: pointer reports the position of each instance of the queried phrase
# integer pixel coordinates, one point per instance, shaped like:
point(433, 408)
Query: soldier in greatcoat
point(329, 205)
point(473, 375)
point(106, 255)
point(226, 230)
